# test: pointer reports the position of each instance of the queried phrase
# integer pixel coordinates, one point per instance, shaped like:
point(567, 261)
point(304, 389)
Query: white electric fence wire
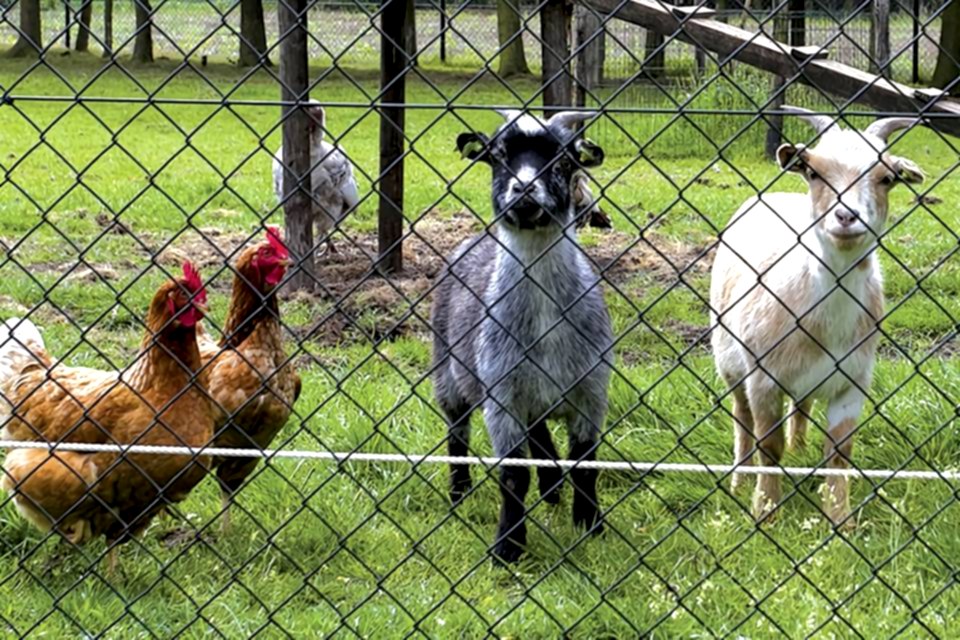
point(335, 456)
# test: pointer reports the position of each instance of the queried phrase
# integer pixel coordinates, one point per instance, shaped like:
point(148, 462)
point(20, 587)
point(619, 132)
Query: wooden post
point(555, 19)
point(775, 130)
point(107, 28)
point(782, 30)
point(880, 37)
point(66, 25)
point(592, 38)
point(294, 84)
point(798, 22)
point(655, 58)
point(443, 30)
point(393, 73)
point(915, 76)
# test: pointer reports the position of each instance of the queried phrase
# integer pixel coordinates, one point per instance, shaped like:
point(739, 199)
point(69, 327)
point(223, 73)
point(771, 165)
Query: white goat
point(796, 295)
point(333, 187)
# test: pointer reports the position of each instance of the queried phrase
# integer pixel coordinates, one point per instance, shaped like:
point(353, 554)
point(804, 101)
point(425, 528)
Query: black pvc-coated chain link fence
point(238, 380)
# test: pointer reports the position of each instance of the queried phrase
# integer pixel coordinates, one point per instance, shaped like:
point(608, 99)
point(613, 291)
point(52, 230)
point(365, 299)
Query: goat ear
point(790, 157)
point(907, 171)
point(589, 154)
point(473, 146)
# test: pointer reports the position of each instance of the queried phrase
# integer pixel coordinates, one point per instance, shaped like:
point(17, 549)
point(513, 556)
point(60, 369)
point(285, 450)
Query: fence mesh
point(119, 167)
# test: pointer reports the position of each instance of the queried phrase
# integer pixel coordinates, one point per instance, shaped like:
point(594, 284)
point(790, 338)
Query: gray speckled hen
point(332, 185)
point(522, 330)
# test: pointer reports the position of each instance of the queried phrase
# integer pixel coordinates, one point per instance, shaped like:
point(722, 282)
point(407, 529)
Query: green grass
point(374, 549)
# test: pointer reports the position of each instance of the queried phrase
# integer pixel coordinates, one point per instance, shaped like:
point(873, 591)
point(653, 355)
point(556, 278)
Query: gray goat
point(522, 330)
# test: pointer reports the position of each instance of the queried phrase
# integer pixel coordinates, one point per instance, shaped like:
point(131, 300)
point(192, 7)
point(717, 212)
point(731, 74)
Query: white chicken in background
point(332, 183)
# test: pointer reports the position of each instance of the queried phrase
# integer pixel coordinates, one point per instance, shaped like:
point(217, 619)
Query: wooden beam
point(732, 43)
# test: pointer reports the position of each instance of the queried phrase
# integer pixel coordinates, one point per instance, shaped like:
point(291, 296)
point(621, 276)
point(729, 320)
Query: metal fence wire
point(239, 381)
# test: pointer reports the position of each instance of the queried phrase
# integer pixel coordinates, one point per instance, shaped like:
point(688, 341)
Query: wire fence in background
point(138, 199)
point(210, 29)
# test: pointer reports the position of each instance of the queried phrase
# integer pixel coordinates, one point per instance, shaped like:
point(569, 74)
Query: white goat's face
point(533, 165)
point(850, 176)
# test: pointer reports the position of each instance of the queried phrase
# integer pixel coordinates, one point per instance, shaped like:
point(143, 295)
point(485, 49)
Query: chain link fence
point(284, 470)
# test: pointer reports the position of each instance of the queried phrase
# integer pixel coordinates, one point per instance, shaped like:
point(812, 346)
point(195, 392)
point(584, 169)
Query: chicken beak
point(286, 263)
point(201, 307)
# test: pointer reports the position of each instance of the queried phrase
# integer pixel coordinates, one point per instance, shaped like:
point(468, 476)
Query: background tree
point(948, 61)
point(107, 28)
point(83, 26)
point(29, 41)
point(143, 45)
point(512, 59)
point(253, 33)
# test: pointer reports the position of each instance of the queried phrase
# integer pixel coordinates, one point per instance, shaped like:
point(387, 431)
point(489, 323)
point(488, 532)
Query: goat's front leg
point(550, 479)
point(509, 441)
point(584, 438)
point(842, 416)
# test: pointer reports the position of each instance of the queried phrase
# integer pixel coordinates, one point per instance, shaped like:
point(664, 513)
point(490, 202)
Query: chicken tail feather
point(21, 346)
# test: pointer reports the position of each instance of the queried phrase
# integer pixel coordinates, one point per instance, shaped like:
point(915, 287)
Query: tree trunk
point(655, 62)
point(253, 34)
point(83, 29)
point(948, 61)
point(107, 28)
point(143, 45)
point(29, 41)
point(513, 60)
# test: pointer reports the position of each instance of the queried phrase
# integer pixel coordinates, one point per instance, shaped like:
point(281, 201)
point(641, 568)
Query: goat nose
point(846, 217)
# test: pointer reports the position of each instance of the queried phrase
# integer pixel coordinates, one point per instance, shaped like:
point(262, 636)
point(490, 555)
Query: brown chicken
point(160, 399)
point(250, 377)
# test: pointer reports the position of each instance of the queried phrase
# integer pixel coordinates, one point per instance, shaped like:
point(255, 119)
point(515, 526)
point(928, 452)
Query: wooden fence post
point(555, 19)
point(778, 87)
point(880, 37)
point(591, 57)
point(294, 83)
point(393, 73)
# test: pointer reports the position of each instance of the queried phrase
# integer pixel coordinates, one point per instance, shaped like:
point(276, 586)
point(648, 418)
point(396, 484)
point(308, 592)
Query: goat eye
point(812, 175)
point(888, 179)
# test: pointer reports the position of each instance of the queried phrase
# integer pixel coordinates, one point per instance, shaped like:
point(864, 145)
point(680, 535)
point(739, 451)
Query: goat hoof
point(507, 551)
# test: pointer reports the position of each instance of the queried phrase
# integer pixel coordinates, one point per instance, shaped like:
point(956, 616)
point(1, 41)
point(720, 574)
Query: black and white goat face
point(534, 163)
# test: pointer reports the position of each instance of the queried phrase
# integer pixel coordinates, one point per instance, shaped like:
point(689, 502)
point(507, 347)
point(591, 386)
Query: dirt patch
point(361, 304)
point(664, 259)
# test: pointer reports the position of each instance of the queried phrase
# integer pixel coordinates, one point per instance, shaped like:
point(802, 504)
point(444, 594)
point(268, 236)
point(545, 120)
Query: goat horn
point(509, 114)
point(569, 119)
point(883, 127)
point(818, 122)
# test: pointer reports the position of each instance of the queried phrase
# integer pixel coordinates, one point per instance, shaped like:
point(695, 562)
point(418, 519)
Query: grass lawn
point(97, 197)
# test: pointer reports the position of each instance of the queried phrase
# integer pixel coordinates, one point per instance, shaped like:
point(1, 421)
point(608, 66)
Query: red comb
point(273, 237)
point(192, 281)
